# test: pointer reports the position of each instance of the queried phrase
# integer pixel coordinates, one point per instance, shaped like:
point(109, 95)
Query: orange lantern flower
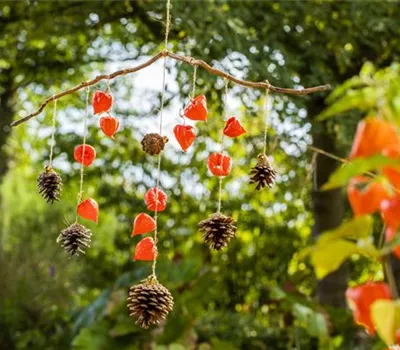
point(101, 102)
point(89, 210)
point(392, 173)
point(390, 210)
point(233, 127)
point(219, 164)
point(146, 250)
point(155, 200)
point(109, 125)
point(390, 233)
point(361, 298)
point(365, 196)
point(197, 109)
point(85, 154)
point(372, 136)
point(185, 135)
point(143, 223)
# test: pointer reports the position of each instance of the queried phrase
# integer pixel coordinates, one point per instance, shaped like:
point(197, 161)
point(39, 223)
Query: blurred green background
point(256, 294)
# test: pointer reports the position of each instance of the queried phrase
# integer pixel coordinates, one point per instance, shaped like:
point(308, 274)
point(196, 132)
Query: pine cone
point(149, 302)
point(262, 174)
point(49, 185)
point(153, 143)
point(75, 239)
point(218, 230)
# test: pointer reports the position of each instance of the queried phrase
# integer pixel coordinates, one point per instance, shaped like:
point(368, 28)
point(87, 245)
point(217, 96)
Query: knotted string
point(53, 131)
point(266, 115)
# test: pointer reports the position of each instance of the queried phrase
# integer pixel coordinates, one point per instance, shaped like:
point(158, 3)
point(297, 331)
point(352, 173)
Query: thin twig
point(185, 59)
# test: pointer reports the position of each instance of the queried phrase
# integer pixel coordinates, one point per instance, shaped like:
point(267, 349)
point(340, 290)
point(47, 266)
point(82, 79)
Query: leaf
point(385, 316)
point(313, 321)
point(359, 227)
point(357, 167)
point(353, 82)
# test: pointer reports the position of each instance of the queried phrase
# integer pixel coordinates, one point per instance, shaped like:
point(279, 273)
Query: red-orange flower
point(109, 125)
point(390, 210)
point(185, 135)
point(372, 136)
point(219, 164)
point(85, 154)
point(102, 102)
point(89, 210)
point(390, 233)
point(361, 298)
point(197, 109)
point(233, 127)
point(392, 172)
point(155, 200)
point(145, 250)
point(365, 196)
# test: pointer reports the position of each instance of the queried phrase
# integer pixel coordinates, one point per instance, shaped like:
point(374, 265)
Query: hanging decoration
point(143, 223)
point(153, 143)
point(197, 109)
point(233, 127)
point(263, 174)
point(219, 229)
point(49, 182)
point(109, 125)
point(185, 135)
point(102, 101)
point(76, 238)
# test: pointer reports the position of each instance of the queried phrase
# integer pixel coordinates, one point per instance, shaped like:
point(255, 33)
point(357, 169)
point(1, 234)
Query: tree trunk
point(6, 116)
point(328, 206)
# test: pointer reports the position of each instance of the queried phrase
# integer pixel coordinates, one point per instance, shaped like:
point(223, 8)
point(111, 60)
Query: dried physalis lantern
point(233, 128)
point(145, 250)
point(75, 239)
point(197, 109)
point(219, 164)
point(85, 154)
point(102, 102)
point(49, 185)
point(156, 199)
point(218, 230)
point(262, 173)
point(143, 223)
point(149, 302)
point(153, 143)
point(109, 125)
point(89, 210)
point(185, 135)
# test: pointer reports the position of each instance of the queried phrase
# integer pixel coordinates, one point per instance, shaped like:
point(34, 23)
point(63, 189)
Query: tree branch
point(185, 59)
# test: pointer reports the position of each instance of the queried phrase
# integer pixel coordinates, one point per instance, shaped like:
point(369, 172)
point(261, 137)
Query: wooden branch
point(185, 59)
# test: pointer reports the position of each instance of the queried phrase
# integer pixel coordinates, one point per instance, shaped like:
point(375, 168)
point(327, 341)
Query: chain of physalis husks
point(150, 302)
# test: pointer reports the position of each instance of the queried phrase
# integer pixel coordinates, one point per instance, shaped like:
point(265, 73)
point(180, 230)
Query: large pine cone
point(218, 230)
point(49, 185)
point(149, 302)
point(153, 143)
point(75, 239)
point(262, 174)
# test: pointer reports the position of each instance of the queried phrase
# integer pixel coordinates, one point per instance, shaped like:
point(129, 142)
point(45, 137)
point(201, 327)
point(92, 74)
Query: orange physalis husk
point(109, 125)
point(185, 135)
point(102, 102)
point(365, 196)
point(390, 234)
point(233, 127)
point(372, 136)
point(145, 250)
point(197, 109)
point(155, 200)
point(392, 172)
point(219, 164)
point(390, 211)
point(85, 154)
point(361, 298)
point(143, 223)
point(89, 210)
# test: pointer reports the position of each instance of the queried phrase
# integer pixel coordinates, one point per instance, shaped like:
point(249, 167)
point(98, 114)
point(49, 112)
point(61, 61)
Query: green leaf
point(356, 167)
point(385, 316)
point(358, 227)
point(313, 321)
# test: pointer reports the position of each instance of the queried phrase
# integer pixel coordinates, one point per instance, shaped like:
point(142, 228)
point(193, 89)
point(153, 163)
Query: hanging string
point(80, 193)
point(194, 82)
point(53, 131)
point(163, 91)
point(266, 115)
point(225, 113)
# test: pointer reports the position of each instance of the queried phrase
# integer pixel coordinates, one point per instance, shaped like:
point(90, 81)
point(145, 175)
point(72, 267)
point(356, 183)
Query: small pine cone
point(49, 185)
point(218, 230)
point(75, 239)
point(149, 302)
point(153, 143)
point(262, 174)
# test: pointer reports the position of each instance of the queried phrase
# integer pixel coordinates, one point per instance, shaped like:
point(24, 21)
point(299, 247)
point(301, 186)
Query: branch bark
point(186, 59)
